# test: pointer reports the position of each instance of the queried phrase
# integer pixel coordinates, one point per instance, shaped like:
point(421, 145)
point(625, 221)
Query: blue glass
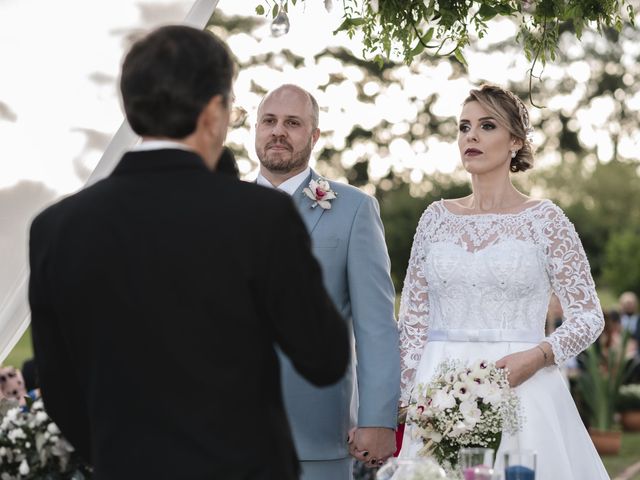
point(519, 472)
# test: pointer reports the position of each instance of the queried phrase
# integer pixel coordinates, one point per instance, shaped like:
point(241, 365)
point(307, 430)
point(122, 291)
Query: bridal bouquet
point(31, 446)
point(463, 406)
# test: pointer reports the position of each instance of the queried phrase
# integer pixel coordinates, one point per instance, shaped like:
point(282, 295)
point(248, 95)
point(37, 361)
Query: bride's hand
point(522, 365)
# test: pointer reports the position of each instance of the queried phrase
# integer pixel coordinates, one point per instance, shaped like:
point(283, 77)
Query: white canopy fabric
point(14, 312)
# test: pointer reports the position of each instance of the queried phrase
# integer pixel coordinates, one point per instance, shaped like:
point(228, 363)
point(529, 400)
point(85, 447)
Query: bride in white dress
point(481, 272)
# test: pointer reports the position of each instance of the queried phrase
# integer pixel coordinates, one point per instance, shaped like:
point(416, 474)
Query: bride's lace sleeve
point(571, 280)
point(413, 319)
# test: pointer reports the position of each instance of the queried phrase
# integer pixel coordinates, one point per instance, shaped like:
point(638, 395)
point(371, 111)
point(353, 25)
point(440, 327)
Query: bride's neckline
point(492, 214)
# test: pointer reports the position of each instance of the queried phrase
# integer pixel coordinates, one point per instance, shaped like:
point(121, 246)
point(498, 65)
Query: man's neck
point(278, 178)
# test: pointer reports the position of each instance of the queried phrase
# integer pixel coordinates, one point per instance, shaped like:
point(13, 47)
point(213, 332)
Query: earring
point(514, 153)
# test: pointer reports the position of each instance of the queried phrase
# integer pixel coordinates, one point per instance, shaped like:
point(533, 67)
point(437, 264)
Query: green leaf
point(460, 57)
point(418, 49)
point(345, 25)
point(349, 23)
point(260, 10)
point(294, 2)
point(428, 36)
point(487, 12)
point(274, 11)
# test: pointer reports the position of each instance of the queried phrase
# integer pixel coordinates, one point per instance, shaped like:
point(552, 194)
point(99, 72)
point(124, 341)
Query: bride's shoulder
point(544, 207)
point(434, 209)
point(454, 205)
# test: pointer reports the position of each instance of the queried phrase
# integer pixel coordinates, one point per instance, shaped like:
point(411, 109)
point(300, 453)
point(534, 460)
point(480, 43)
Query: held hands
point(372, 445)
point(522, 365)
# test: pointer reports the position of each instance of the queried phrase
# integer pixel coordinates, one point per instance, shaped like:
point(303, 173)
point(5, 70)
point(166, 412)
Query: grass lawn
point(21, 352)
point(629, 454)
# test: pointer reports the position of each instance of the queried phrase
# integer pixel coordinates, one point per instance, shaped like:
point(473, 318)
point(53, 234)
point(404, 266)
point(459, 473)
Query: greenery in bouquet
point(463, 406)
point(629, 397)
point(31, 446)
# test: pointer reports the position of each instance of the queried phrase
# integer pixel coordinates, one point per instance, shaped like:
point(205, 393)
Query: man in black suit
point(158, 294)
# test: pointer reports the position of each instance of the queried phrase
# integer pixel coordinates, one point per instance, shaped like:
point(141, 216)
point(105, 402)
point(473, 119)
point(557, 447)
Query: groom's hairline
point(315, 109)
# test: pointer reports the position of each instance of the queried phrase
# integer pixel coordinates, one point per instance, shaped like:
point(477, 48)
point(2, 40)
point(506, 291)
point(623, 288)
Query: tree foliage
point(586, 139)
point(445, 27)
point(622, 265)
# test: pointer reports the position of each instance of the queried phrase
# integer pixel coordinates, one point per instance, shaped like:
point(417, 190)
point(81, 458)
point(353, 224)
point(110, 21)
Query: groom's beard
point(284, 162)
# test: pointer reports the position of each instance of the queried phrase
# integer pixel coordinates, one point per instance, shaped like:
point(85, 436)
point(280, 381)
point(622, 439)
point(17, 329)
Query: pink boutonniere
point(320, 192)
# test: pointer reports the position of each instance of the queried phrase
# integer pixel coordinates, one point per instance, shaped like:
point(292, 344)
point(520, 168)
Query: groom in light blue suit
point(357, 415)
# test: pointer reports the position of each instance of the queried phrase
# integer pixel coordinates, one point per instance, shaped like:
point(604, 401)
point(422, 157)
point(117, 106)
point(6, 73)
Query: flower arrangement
point(31, 446)
point(463, 406)
point(320, 192)
point(411, 469)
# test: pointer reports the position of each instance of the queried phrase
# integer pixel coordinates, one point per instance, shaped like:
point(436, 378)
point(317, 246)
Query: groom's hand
point(372, 445)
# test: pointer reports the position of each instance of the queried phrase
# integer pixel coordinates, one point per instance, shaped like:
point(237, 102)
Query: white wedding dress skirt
point(551, 427)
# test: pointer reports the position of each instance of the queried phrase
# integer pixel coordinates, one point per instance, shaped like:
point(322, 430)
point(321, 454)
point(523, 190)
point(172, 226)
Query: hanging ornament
point(328, 5)
point(280, 24)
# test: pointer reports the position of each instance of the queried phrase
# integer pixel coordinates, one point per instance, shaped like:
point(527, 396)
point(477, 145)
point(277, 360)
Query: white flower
point(489, 392)
point(41, 417)
point(458, 429)
point(462, 390)
point(480, 370)
point(470, 411)
point(24, 468)
point(53, 429)
point(320, 192)
point(443, 400)
point(12, 415)
point(15, 434)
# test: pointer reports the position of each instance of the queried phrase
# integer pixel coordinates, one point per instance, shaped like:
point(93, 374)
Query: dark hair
point(227, 163)
point(512, 114)
point(169, 76)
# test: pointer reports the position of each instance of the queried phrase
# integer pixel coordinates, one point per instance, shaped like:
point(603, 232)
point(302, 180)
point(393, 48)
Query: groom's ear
point(214, 118)
point(315, 135)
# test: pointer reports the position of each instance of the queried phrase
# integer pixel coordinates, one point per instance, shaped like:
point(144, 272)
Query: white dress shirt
point(160, 145)
point(288, 186)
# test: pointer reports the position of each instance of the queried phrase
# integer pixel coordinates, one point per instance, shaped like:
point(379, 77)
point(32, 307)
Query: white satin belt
point(484, 335)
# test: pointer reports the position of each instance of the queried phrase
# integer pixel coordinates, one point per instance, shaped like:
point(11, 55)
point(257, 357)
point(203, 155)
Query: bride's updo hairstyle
point(510, 112)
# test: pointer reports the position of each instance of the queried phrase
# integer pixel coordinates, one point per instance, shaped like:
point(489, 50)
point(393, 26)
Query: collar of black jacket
point(157, 160)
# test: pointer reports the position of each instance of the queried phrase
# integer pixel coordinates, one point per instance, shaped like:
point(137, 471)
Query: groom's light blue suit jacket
point(348, 241)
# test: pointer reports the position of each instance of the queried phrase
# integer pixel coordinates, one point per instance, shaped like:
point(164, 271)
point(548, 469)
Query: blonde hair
point(511, 113)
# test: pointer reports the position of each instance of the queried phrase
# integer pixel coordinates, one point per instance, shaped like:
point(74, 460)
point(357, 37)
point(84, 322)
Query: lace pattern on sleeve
point(413, 319)
point(571, 280)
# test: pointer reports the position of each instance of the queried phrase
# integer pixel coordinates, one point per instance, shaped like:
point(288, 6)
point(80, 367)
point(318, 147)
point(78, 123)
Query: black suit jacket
point(157, 296)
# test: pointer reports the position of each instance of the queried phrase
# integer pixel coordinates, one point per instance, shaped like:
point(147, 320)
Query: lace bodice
point(496, 271)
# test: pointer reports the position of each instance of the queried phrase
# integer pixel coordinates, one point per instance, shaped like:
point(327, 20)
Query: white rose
point(12, 414)
point(16, 434)
point(24, 468)
point(41, 417)
point(470, 411)
point(53, 429)
point(490, 393)
point(443, 400)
